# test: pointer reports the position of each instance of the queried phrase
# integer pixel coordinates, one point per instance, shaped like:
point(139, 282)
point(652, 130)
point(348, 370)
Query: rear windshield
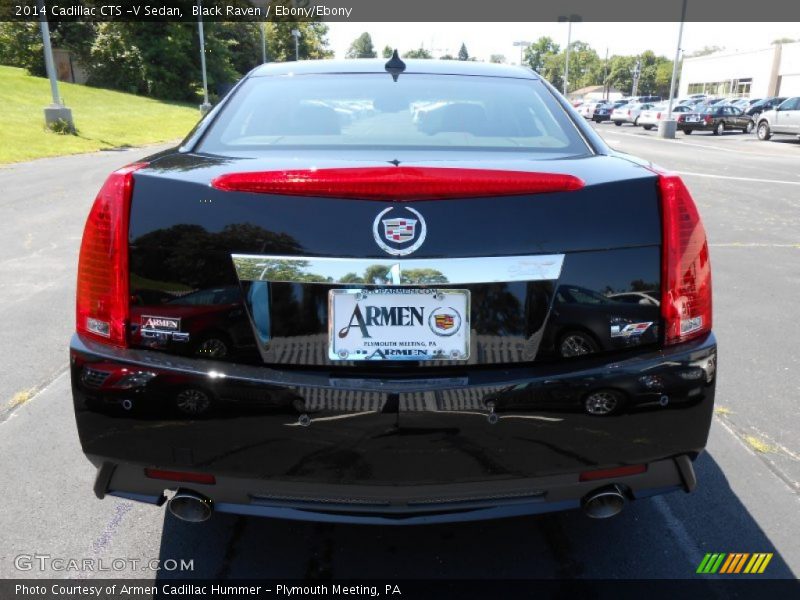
point(367, 111)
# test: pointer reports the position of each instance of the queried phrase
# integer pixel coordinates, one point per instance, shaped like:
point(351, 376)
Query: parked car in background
point(586, 110)
point(602, 112)
point(741, 103)
point(764, 105)
point(695, 97)
point(629, 113)
point(652, 116)
point(716, 119)
point(783, 119)
point(643, 99)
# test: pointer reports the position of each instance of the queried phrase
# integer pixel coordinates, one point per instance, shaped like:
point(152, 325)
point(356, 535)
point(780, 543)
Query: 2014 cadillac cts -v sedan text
point(393, 293)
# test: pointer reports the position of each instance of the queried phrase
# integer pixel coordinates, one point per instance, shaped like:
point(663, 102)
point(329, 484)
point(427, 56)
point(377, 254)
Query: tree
point(313, 43)
point(585, 66)
point(21, 43)
point(462, 52)
point(663, 78)
point(387, 52)
point(362, 47)
point(418, 53)
point(620, 72)
point(243, 39)
point(447, 57)
point(497, 58)
point(537, 53)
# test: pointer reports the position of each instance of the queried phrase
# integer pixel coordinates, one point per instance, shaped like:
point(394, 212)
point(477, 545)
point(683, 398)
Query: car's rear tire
point(604, 402)
point(213, 345)
point(618, 123)
point(763, 131)
point(687, 131)
point(719, 129)
point(577, 343)
point(193, 401)
point(647, 127)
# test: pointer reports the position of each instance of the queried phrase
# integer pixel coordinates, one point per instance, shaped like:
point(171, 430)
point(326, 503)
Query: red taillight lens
point(680, 118)
point(629, 113)
point(686, 270)
point(398, 184)
point(102, 298)
point(184, 476)
point(658, 116)
point(707, 118)
point(612, 473)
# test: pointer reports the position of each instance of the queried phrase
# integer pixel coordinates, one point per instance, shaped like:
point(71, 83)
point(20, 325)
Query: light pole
point(668, 126)
point(637, 70)
point(570, 20)
point(263, 43)
point(56, 111)
point(522, 45)
point(296, 36)
point(206, 105)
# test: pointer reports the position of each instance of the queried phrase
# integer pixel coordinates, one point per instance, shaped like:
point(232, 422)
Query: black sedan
point(716, 119)
point(602, 112)
point(755, 109)
point(320, 304)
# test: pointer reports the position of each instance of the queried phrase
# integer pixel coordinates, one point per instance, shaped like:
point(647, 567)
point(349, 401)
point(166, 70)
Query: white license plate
point(693, 119)
point(398, 324)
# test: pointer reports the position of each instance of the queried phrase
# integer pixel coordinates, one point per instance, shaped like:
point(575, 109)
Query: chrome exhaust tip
point(190, 506)
point(603, 503)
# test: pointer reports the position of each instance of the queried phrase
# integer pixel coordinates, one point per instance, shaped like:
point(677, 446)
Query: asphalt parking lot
point(749, 493)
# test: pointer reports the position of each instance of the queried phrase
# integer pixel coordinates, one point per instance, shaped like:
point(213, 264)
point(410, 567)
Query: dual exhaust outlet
point(192, 507)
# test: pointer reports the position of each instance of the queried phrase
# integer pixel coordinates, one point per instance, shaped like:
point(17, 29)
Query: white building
point(773, 71)
point(595, 92)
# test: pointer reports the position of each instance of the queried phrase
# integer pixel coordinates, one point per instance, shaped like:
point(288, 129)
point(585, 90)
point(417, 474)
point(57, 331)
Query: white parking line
point(750, 179)
point(640, 136)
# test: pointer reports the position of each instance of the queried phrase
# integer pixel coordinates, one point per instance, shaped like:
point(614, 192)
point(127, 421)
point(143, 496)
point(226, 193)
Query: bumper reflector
point(183, 476)
point(612, 473)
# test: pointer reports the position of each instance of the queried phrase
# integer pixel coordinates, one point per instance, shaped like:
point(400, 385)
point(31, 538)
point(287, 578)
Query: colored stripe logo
point(734, 562)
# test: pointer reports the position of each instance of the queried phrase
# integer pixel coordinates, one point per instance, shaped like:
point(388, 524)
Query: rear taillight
point(629, 113)
point(686, 270)
point(707, 118)
point(102, 298)
point(397, 184)
point(658, 116)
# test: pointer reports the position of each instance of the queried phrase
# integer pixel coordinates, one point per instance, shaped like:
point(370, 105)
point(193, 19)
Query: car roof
point(361, 65)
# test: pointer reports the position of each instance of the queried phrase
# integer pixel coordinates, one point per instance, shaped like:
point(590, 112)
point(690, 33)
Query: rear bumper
point(399, 447)
point(403, 506)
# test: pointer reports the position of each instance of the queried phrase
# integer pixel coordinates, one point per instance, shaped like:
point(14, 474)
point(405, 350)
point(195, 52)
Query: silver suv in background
point(783, 119)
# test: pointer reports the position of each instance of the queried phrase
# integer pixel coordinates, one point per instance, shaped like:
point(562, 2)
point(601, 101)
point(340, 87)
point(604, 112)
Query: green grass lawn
point(104, 119)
